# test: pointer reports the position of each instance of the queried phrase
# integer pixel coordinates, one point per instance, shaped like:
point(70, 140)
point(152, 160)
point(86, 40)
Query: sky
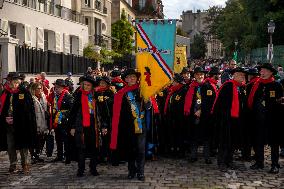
point(173, 8)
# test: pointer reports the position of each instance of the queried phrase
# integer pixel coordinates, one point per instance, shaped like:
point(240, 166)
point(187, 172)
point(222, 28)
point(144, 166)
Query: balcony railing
point(52, 8)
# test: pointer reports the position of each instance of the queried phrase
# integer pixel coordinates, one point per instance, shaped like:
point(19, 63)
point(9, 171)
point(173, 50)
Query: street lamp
point(1, 4)
point(271, 28)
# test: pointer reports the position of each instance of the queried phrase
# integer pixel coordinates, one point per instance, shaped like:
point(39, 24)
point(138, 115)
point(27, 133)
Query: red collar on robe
point(116, 113)
point(189, 97)
point(171, 91)
point(235, 107)
point(3, 97)
point(255, 87)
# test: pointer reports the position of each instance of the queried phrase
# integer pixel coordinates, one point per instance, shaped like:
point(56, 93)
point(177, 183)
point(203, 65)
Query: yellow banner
point(180, 59)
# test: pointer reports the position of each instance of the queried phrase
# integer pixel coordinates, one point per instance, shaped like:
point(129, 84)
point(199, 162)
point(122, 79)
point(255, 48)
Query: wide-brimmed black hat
point(214, 71)
point(104, 78)
point(130, 72)
point(12, 76)
point(185, 70)
point(89, 79)
point(252, 71)
point(199, 70)
point(80, 80)
point(238, 69)
point(269, 67)
point(178, 78)
point(60, 82)
point(115, 73)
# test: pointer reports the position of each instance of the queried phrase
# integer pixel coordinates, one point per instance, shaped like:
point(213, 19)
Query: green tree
point(198, 47)
point(181, 32)
point(122, 30)
point(90, 53)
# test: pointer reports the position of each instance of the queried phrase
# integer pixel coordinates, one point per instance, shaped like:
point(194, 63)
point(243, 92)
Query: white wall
point(35, 19)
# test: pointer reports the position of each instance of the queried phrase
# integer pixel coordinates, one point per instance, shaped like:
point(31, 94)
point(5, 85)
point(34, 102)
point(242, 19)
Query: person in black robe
point(61, 103)
point(128, 130)
point(116, 80)
point(208, 95)
point(228, 112)
point(173, 113)
point(266, 113)
point(104, 102)
point(18, 124)
point(192, 111)
point(84, 126)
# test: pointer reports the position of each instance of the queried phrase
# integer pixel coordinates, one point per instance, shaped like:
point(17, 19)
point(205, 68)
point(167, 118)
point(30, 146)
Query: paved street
point(165, 173)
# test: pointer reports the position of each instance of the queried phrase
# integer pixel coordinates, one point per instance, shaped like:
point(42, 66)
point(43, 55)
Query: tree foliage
point(181, 32)
point(123, 31)
point(198, 47)
point(246, 21)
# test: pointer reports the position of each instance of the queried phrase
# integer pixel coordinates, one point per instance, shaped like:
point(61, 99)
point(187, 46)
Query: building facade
point(149, 9)
point(97, 16)
point(194, 23)
point(118, 6)
point(51, 25)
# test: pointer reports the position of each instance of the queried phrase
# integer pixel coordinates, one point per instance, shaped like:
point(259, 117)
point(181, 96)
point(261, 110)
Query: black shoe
point(232, 166)
point(80, 174)
point(274, 170)
point(141, 177)
point(57, 159)
point(257, 166)
point(94, 172)
point(208, 161)
point(192, 160)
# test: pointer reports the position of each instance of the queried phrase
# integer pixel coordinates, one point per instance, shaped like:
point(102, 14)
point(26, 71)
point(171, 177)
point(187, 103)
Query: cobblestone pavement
point(164, 173)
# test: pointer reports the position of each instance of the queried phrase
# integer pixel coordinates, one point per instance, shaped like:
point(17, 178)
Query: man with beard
point(228, 112)
point(18, 124)
point(262, 102)
point(192, 110)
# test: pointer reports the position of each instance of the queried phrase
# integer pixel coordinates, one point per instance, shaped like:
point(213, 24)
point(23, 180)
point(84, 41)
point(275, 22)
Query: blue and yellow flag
point(155, 42)
point(180, 59)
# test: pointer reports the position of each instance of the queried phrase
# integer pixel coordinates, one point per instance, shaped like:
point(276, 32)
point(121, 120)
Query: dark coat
point(84, 137)
point(267, 127)
point(24, 120)
point(228, 131)
point(126, 129)
point(67, 103)
point(206, 126)
point(104, 103)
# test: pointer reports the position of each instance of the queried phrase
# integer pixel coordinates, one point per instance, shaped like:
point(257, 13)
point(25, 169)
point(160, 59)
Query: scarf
point(252, 81)
point(100, 89)
point(86, 106)
point(57, 105)
point(155, 105)
point(213, 83)
point(235, 108)
point(3, 97)
point(118, 80)
point(255, 87)
point(189, 97)
point(40, 108)
point(171, 91)
point(116, 113)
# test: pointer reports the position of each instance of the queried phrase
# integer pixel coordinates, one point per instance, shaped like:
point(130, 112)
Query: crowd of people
point(107, 120)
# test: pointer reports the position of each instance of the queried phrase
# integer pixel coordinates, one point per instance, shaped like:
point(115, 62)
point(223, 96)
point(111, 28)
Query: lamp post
point(1, 4)
point(271, 28)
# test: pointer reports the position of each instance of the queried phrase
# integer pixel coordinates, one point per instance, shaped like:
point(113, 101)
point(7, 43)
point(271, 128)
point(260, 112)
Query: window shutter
point(28, 35)
point(80, 46)
point(40, 38)
point(4, 25)
point(57, 42)
point(66, 39)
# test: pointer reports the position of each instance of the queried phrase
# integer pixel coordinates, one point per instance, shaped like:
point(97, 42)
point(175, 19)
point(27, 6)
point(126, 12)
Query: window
point(13, 30)
point(88, 3)
point(87, 21)
point(71, 46)
point(142, 4)
point(46, 40)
